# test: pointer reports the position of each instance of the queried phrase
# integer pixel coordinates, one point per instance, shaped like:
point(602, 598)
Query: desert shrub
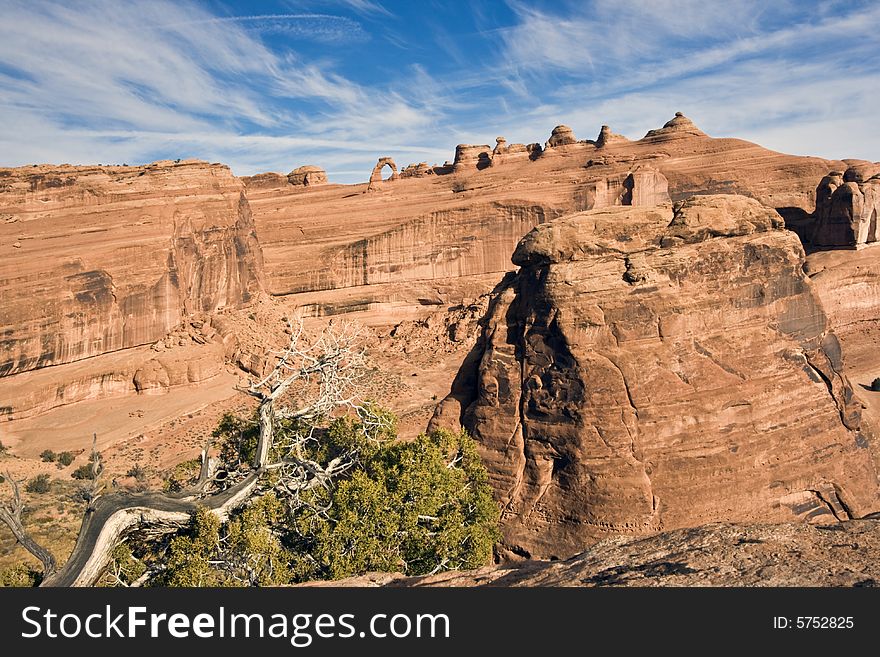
point(3, 448)
point(83, 472)
point(65, 459)
point(137, 471)
point(414, 507)
point(48, 456)
point(39, 484)
point(182, 475)
point(875, 385)
point(20, 575)
point(188, 556)
point(124, 568)
point(92, 469)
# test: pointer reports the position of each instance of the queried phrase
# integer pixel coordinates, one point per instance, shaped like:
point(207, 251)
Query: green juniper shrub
point(875, 385)
point(20, 575)
point(48, 456)
point(188, 556)
point(182, 475)
point(92, 469)
point(125, 566)
point(65, 459)
point(39, 484)
point(414, 507)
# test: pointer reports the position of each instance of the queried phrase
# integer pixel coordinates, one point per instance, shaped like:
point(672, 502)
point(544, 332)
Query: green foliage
point(48, 456)
point(237, 439)
point(20, 575)
point(92, 469)
point(254, 552)
point(125, 565)
point(182, 475)
point(875, 385)
point(65, 459)
point(39, 484)
point(188, 556)
point(413, 507)
point(83, 472)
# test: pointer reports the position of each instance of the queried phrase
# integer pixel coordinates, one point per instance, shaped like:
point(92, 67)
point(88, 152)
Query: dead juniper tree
point(312, 379)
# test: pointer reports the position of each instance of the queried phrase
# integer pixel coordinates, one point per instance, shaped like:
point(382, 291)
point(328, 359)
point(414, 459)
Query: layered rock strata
point(656, 368)
point(109, 258)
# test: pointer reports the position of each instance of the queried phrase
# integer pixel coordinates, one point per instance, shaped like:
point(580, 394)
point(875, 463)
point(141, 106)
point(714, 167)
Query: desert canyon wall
point(659, 368)
point(665, 356)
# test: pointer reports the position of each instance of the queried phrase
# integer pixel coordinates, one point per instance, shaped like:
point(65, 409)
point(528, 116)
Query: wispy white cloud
point(113, 82)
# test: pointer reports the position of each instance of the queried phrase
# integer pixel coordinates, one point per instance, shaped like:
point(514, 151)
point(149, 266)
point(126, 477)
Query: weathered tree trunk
point(112, 516)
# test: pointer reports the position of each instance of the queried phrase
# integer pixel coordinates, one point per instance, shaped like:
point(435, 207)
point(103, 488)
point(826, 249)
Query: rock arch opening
point(376, 175)
point(872, 228)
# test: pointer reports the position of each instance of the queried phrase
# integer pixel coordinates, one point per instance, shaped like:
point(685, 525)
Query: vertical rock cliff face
point(657, 368)
point(97, 259)
point(462, 241)
point(847, 206)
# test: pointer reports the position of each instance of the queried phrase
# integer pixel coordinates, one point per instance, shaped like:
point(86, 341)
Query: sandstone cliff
point(460, 221)
point(846, 207)
point(97, 259)
point(656, 368)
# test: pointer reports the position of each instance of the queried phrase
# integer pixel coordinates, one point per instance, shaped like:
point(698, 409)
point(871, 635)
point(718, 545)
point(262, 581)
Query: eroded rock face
point(114, 257)
point(654, 368)
point(561, 135)
point(307, 175)
point(847, 205)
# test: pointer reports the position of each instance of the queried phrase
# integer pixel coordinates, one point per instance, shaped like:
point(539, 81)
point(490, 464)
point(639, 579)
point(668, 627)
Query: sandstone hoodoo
point(307, 175)
point(847, 205)
point(656, 368)
point(561, 135)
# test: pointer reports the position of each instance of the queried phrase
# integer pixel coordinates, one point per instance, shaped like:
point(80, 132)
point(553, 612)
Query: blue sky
point(268, 86)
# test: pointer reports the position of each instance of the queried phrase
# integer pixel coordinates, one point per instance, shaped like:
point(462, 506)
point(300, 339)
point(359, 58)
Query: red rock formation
point(376, 175)
point(650, 369)
point(307, 175)
point(115, 257)
point(847, 206)
point(312, 238)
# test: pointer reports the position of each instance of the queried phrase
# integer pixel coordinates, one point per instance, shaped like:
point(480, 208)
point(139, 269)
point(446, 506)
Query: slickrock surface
point(98, 259)
point(847, 205)
point(842, 554)
point(657, 368)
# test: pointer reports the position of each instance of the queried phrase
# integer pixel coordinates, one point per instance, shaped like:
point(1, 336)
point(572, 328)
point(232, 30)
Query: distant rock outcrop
point(561, 135)
point(847, 205)
point(679, 126)
point(307, 176)
point(470, 157)
point(649, 368)
point(606, 138)
point(376, 174)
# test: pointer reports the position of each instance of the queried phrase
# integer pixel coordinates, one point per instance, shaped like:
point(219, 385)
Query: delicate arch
point(383, 162)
